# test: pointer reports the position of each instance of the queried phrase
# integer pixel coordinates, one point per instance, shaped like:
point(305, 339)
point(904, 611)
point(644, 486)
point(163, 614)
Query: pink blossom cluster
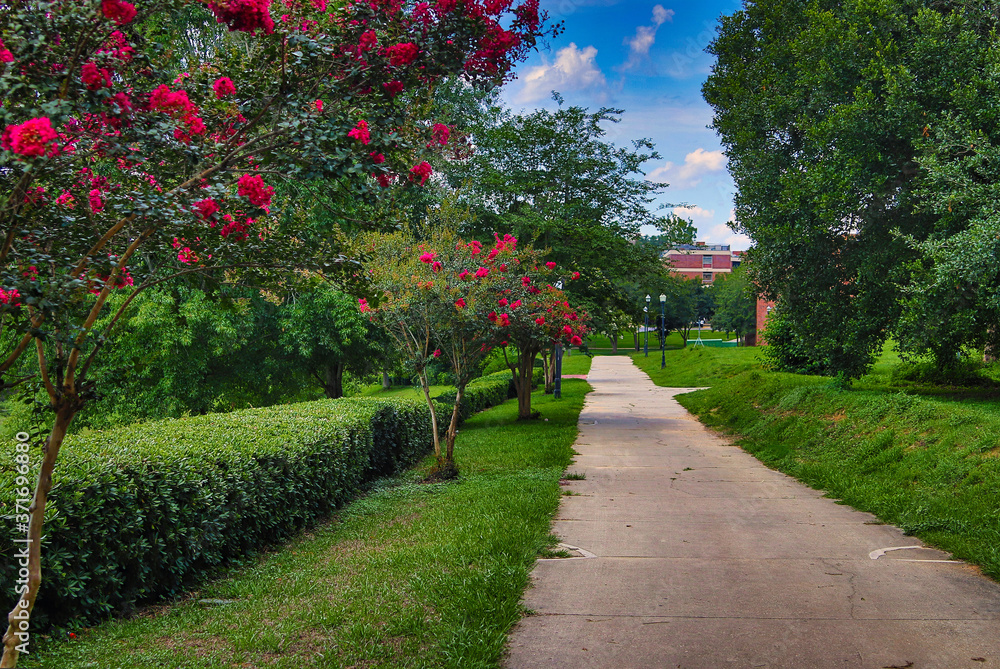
point(5, 55)
point(247, 16)
point(223, 86)
point(253, 188)
point(421, 172)
point(402, 54)
point(33, 138)
point(10, 297)
point(360, 132)
point(119, 11)
point(95, 78)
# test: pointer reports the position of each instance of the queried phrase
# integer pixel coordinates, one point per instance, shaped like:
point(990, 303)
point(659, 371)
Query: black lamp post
point(663, 335)
point(645, 310)
point(557, 372)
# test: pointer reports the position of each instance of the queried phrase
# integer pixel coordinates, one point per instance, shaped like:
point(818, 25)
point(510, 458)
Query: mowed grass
point(576, 363)
point(626, 341)
point(926, 460)
point(412, 575)
point(697, 366)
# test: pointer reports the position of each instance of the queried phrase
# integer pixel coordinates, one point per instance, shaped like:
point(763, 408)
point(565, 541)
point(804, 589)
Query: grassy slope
point(926, 459)
point(413, 575)
point(697, 366)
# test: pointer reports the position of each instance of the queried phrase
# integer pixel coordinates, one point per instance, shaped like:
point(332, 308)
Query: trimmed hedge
point(143, 512)
point(483, 393)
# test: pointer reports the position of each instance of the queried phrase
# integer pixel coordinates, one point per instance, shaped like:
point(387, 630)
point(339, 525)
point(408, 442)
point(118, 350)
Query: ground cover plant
point(413, 575)
point(917, 455)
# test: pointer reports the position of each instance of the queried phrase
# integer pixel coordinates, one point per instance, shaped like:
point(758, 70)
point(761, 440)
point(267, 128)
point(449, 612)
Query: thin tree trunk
point(430, 405)
point(386, 381)
point(992, 351)
point(453, 430)
point(548, 371)
point(614, 342)
point(16, 637)
point(524, 373)
point(333, 380)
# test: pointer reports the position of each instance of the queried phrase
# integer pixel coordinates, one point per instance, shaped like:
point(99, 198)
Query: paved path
point(707, 559)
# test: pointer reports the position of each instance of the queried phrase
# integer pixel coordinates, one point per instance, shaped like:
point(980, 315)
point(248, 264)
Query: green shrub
point(485, 392)
point(143, 512)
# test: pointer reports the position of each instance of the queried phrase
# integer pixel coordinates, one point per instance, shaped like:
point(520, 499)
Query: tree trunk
point(430, 405)
point(386, 381)
point(453, 430)
point(522, 381)
point(30, 577)
point(614, 342)
point(548, 371)
point(333, 380)
point(992, 350)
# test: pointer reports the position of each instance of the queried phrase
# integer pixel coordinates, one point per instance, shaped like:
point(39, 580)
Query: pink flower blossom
point(503, 320)
point(482, 272)
point(525, 281)
point(440, 132)
point(540, 320)
point(575, 276)
point(35, 137)
point(205, 208)
point(186, 256)
point(515, 304)
point(502, 302)
point(10, 297)
point(402, 54)
point(223, 86)
point(319, 106)
point(119, 11)
point(428, 257)
point(576, 341)
point(476, 246)
point(363, 303)
point(436, 266)
point(550, 265)
point(437, 352)
point(460, 303)
point(5, 55)
point(567, 329)
point(493, 316)
point(96, 204)
point(368, 40)
point(94, 78)
point(421, 171)
point(502, 267)
point(247, 16)
point(253, 188)
point(66, 200)
point(360, 132)
point(393, 88)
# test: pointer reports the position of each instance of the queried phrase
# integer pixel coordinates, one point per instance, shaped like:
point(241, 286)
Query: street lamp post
point(645, 310)
point(557, 372)
point(663, 335)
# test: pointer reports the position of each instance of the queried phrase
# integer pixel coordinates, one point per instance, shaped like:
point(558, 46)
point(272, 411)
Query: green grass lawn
point(576, 363)
point(412, 575)
point(923, 457)
point(626, 341)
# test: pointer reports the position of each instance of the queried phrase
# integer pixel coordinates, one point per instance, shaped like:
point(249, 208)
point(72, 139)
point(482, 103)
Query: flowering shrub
point(144, 157)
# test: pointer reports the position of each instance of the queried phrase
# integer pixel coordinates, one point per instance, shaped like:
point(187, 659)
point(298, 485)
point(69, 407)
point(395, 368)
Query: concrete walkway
point(704, 559)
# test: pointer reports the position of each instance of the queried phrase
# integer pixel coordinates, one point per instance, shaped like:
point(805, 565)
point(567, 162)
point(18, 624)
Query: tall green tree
point(735, 304)
point(822, 107)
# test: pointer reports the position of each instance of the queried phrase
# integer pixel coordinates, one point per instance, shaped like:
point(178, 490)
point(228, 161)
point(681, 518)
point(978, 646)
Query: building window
point(706, 276)
point(706, 261)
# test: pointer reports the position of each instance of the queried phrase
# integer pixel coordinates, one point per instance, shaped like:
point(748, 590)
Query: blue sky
point(646, 58)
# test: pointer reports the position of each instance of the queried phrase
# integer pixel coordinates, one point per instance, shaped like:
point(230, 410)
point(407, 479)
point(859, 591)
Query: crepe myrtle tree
point(119, 172)
point(541, 318)
point(438, 298)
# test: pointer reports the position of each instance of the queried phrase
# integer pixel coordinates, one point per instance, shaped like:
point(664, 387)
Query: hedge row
point(142, 512)
point(483, 393)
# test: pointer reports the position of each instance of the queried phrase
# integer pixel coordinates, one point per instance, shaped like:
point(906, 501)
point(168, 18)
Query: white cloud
point(574, 69)
point(724, 234)
point(697, 164)
point(645, 37)
point(694, 212)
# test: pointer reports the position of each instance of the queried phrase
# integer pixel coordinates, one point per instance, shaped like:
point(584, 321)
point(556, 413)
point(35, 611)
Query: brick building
point(702, 261)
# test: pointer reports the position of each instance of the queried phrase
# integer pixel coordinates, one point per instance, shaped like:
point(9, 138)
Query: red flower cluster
point(252, 187)
point(96, 203)
point(428, 257)
point(223, 86)
point(235, 228)
point(460, 303)
point(35, 137)
point(187, 256)
point(440, 132)
point(118, 46)
point(476, 246)
point(10, 297)
point(550, 265)
point(5, 55)
point(247, 16)
point(360, 132)
point(421, 171)
point(119, 11)
point(402, 54)
point(393, 88)
point(94, 78)
point(377, 158)
point(205, 208)
point(368, 40)
point(363, 303)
